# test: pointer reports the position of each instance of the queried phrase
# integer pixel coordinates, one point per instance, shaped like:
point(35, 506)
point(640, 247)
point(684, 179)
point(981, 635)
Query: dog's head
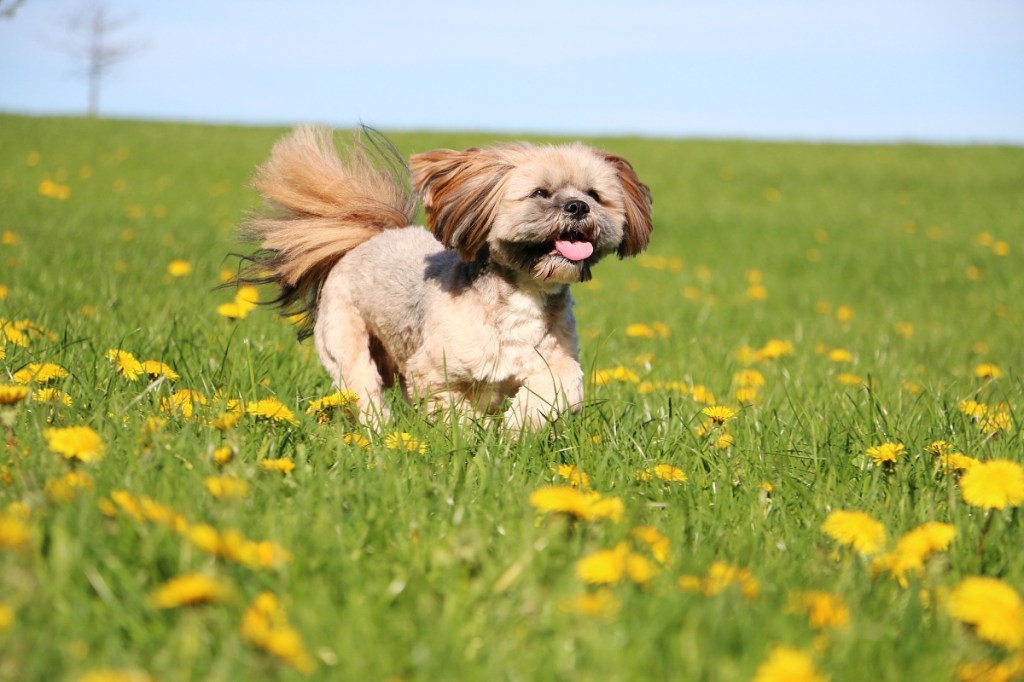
point(550, 212)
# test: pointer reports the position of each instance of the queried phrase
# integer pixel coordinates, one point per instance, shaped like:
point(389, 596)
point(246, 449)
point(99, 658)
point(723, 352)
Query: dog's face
point(549, 212)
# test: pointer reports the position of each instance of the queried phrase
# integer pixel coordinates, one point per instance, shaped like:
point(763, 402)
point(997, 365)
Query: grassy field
point(830, 299)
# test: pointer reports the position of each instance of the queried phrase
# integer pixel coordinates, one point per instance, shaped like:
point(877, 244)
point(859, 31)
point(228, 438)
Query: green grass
point(435, 566)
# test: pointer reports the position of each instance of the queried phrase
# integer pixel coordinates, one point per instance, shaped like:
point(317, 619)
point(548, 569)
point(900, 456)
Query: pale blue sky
point(939, 70)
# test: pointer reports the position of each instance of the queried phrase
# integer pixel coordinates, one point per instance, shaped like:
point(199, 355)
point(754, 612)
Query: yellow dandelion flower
point(610, 566)
point(271, 409)
point(324, 408)
point(179, 268)
point(850, 379)
point(905, 329)
point(824, 610)
point(651, 538)
point(601, 507)
point(576, 477)
point(845, 313)
point(54, 190)
point(973, 408)
point(855, 529)
point(690, 583)
point(604, 567)
point(747, 395)
point(639, 568)
point(994, 609)
point(956, 461)
point(640, 330)
point(996, 484)
point(987, 371)
point(153, 424)
point(246, 300)
point(21, 332)
point(645, 387)
point(601, 603)
point(619, 374)
point(6, 616)
point(75, 442)
point(14, 532)
point(724, 441)
point(840, 355)
point(232, 311)
point(719, 414)
point(155, 368)
point(265, 624)
point(223, 455)
point(226, 487)
point(989, 671)
point(939, 447)
point(228, 420)
point(39, 373)
point(995, 421)
point(748, 378)
point(926, 539)
point(205, 537)
point(886, 453)
point(182, 402)
point(404, 441)
point(11, 395)
point(284, 465)
point(913, 549)
point(356, 439)
point(190, 589)
point(19, 508)
point(126, 364)
point(774, 349)
point(559, 499)
point(52, 395)
point(721, 576)
point(664, 472)
point(787, 664)
point(700, 394)
point(587, 506)
point(65, 488)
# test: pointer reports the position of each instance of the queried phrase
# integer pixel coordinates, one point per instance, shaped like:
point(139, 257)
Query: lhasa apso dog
point(473, 314)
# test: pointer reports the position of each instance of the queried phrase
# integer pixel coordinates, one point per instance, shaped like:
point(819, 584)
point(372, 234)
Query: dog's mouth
point(567, 257)
point(573, 246)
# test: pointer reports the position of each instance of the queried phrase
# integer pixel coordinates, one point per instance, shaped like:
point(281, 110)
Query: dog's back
point(317, 208)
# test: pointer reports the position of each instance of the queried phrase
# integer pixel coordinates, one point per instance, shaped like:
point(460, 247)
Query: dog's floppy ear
point(638, 227)
point(461, 192)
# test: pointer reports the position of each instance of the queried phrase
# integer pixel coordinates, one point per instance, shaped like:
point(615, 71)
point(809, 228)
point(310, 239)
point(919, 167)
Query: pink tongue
point(574, 250)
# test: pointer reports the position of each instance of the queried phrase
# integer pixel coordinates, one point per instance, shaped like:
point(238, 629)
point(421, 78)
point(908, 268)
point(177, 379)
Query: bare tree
point(91, 40)
point(8, 8)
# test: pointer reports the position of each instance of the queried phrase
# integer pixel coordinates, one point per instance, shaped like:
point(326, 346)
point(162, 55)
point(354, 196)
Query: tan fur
point(638, 208)
point(317, 210)
point(479, 317)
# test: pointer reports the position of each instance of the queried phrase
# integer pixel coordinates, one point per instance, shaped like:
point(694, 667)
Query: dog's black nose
point(576, 208)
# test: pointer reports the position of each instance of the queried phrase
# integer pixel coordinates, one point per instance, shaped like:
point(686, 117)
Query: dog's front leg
point(553, 389)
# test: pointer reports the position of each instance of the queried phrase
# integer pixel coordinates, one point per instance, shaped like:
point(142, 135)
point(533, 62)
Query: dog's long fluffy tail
point(318, 207)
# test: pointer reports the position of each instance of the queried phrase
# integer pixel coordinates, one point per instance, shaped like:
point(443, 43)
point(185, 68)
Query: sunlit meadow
point(800, 457)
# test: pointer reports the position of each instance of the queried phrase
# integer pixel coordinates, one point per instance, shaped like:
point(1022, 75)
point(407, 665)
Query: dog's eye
point(592, 193)
point(541, 193)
